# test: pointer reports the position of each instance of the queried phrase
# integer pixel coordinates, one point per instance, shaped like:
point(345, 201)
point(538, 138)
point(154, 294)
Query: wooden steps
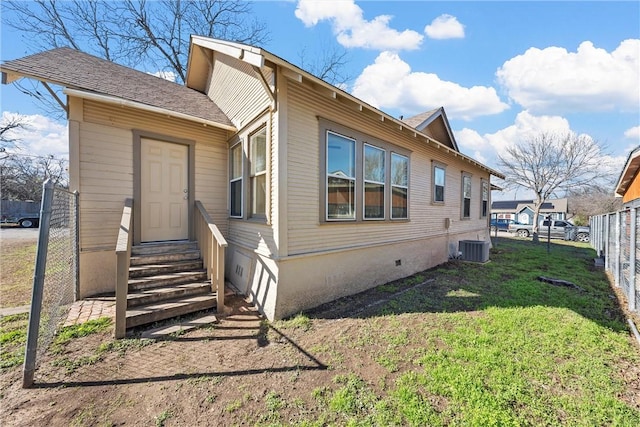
point(166, 280)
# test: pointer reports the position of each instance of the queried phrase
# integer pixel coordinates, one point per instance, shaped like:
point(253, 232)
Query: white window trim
point(366, 181)
point(466, 175)
point(484, 184)
point(352, 179)
point(398, 186)
point(240, 178)
point(360, 139)
point(435, 166)
point(264, 172)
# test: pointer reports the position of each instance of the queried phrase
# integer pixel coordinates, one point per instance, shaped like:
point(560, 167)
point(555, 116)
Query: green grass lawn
point(490, 345)
point(463, 344)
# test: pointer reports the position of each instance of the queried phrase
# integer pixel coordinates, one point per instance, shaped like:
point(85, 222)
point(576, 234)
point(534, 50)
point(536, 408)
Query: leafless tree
point(597, 199)
point(549, 164)
point(8, 125)
point(328, 64)
point(21, 176)
point(134, 32)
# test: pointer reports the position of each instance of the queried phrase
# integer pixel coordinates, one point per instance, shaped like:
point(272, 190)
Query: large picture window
point(466, 196)
point(341, 177)
point(438, 184)
point(362, 178)
point(399, 186)
point(374, 182)
point(258, 172)
point(235, 182)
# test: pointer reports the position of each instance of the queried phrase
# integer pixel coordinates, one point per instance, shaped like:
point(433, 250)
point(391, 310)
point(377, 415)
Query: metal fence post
point(632, 261)
point(76, 207)
point(607, 258)
point(38, 285)
point(616, 266)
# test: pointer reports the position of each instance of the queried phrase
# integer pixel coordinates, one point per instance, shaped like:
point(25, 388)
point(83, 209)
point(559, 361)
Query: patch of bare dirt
point(241, 371)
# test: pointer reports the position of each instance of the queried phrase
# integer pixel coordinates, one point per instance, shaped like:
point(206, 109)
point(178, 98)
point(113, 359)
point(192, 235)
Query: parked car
point(500, 224)
point(559, 229)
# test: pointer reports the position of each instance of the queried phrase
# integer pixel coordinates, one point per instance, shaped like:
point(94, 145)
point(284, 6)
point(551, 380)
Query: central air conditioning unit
point(474, 250)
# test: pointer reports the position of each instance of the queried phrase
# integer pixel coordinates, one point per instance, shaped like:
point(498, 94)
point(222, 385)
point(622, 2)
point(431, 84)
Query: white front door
point(164, 178)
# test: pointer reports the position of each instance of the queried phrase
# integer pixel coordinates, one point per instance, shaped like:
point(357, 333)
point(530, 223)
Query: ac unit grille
point(474, 250)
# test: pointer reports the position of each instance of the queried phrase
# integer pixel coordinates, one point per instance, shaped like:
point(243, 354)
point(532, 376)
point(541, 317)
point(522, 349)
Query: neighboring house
point(522, 211)
point(318, 194)
point(628, 186)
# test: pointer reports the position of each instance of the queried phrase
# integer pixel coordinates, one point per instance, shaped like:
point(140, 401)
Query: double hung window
point(365, 179)
point(235, 182)
point(374, 182)
point(399, 186)
point(248, 172)
point(466, 196)
point(258, 172)
point(341, 177)
point(485, 199)
point(438, 184)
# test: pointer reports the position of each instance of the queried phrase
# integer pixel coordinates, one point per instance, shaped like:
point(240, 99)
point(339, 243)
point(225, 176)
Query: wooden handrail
point(212, 246)
point(123, 259)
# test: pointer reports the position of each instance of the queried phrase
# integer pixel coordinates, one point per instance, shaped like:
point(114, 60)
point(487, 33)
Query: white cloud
point(352, 30)
point(40, 137)
point(445, 27)
point(167, 75)
point(633, 133)
point(590, 79)
point(525, 126)
point(490, 145)
point(390, 83)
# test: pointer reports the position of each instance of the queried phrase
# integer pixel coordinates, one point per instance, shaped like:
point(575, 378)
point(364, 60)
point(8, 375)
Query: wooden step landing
point(175, 307)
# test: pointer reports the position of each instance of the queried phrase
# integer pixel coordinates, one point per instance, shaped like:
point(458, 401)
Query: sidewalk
point(79, 312)
point(10, 311)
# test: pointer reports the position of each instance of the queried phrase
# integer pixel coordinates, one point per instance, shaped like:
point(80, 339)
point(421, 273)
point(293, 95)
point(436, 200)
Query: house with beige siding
point(289, 190)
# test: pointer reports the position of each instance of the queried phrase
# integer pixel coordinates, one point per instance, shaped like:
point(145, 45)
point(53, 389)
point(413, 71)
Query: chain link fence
point(616, 238)
point(55, 286)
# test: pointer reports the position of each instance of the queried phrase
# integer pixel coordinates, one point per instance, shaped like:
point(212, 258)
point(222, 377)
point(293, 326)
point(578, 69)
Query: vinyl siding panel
point(106, 167)
point(307, 234)
point(106, 179)
point(235, 88)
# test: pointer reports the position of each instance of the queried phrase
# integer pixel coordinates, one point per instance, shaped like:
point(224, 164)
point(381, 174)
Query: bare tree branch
point(9, 124)
point(135, 33)
point(21, 176)
point(549, 164)
point(328, 65)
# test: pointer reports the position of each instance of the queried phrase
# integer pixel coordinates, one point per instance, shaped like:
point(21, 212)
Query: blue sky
point(501, 70)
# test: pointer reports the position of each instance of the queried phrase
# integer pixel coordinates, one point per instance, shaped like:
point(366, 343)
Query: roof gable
point(78, 70)
point(435, 124)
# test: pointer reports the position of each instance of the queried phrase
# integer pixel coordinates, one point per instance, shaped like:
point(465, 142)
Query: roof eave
point(299, 74)
point(257, 57)
point(630, 170)
point(108, 99)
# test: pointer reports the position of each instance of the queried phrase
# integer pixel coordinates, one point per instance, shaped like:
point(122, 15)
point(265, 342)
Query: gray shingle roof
point(418, 119)
point(78, 70)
